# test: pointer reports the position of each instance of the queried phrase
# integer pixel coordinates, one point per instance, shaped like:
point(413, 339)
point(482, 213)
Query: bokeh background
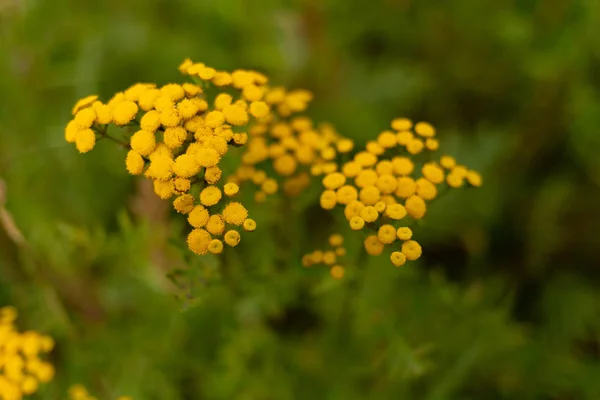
point(504, 303)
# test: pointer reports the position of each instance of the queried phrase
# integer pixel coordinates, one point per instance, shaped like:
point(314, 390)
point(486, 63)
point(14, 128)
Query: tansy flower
point(231, 189)
point(474, 178)
point(402, 165)
point(380, 206)
point(210, 195)
point(337, 272)
point(174, 91)
point(259, 109)
point(232, 238)
point(433, 173)
point(150, 121)
point(285, 165)
point(184, 203)
point(328, 199)
point(235, 213)
point(447, 162)
point(426, 189)
point(269, 186)
point(369, 214)
point(198, 241)
point(406, 187)
point(235, 115)
point(249, 225)
point(198, 216)
point(170, 117)
point(215, 246)
point(395, 211)
point(336, 240)
point(373, 245)
point(85, 118)
point(187, 108)
point(147, 99)
point(369, 195)
point(432, 144)
point(334, 180)
point(411, 249)
point(208, 157)
point(174, 136)
point(82, 103)
point(71, 131)
point(186, 166)
point(182, 185)
point(134, 163)
point(164, 189)
point(223, 100)
point(386, 234)
point(212, 175)
point(164, 103)
point(424, 129)
point(415, 207)
point(215, 225)
point(85, 140)
point(351, 169)
point(125, 112)
point(143, 142)
point(415, 146)
point(103, 113)
point(401, 124)
point(356, 223)
point(404, 233)
point(387, 183)
point(454, 180)
point(214, 119)
point(353, 209)
point(398, 258)
point(387, 140)
point(346, 194)
point(366, 177)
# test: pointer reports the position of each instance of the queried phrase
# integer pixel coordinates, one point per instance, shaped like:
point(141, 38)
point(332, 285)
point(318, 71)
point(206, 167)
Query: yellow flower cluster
point(379, 188)
point(79, 392)
point(279, 139)
point(21, 369)
point(329, 256)
point(178, 135)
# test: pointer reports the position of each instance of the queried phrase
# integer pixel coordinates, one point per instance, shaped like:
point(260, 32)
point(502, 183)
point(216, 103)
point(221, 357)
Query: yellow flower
point(134, 163)
point(404, 137)
point(249, 225)
point(426, 189)
point(395, 211)
point(344, 146)
point(161, 167)
point(406, 187)
point(184, 203)
point(198, 216)
point(215, 224)
point(210, 195)
point(380, 206)
point(170, 118)
point(222, 78)
point(387, 140)
point(85, 140)
point(329, 257)
point(71, 131)
point(172, 90)
point(351, 169)
point(387, 183)
point(275, 95)
point(207, 73)
point(402, 165)
point(447, 162)
point(340, 251)
point(259, 109)
point(353, 209)
point(473, 177)
point(346, 194)
point(285, 165)
point(334, 180)
point(147, 100)
point(215, 246)
point(357, 223)
point(433, 173)
point(182, 185)
point(425, 129)
point(191, 90)
point(384, 167)
point(85, 102)
point(207, 157)
point(150, 121)
point(398, 258)
point(187, 108)
point(369, 195)
point(103, 113)
point(366, 177)
point(174, 137)
point(269, 186)
point(85, 118)
point(125, 112)
point(365, 159)
point(454, 180)
point(223, 100)
point(214, 119)
point(415, 207)
point(164, 189)
point(235, 115)
point(198, 241)
point(231, 189)
point(375, 148)
point(232, 238)
point(186, 166)
point(373, 245)
point(411, 249)
point(212, 175)
point(253, 92)
point(164, 103)
point(336, 240)
point(143, 142)
point(328, 199)
point(369, 214)
point(386, 234)
point(240, 139)
point(404, 233)
point(337, 272)
point(401, 124)
point(432, 144)
point(415, 146)
point(235, 213)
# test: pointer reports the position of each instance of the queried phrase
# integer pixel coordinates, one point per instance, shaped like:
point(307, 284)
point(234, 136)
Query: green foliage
point(504, 302)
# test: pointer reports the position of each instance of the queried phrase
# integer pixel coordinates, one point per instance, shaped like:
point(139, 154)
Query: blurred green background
point(504, 303)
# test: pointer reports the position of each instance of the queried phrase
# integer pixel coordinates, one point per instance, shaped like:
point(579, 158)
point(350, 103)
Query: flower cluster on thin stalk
point(329, 256)
point(177, 136)
point(284, 146)
point(386, 187)
point(21, 368)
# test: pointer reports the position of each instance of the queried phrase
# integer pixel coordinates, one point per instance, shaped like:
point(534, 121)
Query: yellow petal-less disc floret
point(346, 194)
point(85, 118)
point(386, 234)
point(334, 180)
point(411, 249)
point(232, 238)
point(426, 189)
point(215, 246)
point(474, 178)
point(259, 109)
point(425, 129)
point(395, 211)
point(210, 195)
point(85, 140)
point(198, 241)
point(125, 112)
point(235, 115)
point(406, 187)
point(433, 173)
point(357, 223)
point(143, 142)
point(215, 225)
point(184, 203)
point(231, 189)
point(373, 245)
point(198, 216)
point(328, 199)
point(134, 163)
point(398, 258)
point(337, 272)
point(404, 233)
point(336, 240)
point(415, 207)
point(369, 214)
point(235, 213)
point(83, 103)
point(174, 137)
point(249, 225)
point(186, 166)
